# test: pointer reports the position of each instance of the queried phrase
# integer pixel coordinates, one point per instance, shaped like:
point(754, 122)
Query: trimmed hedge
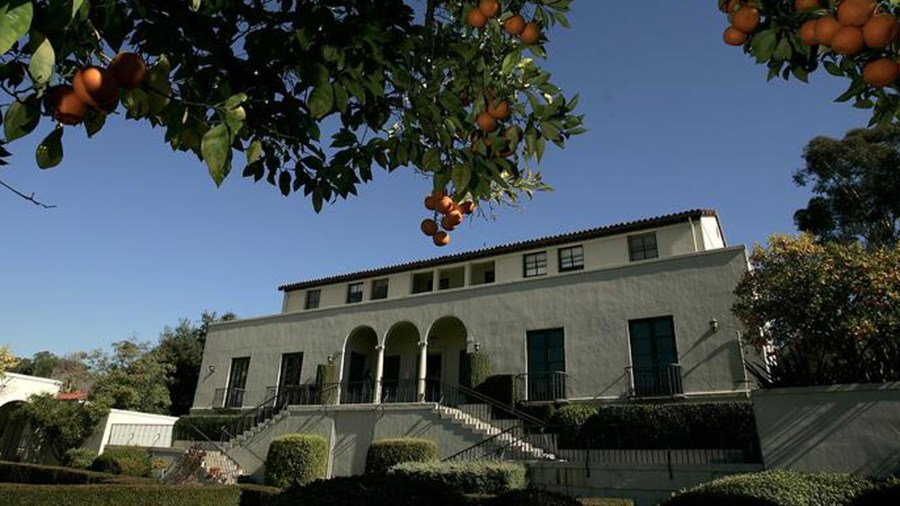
point(774, 488)
point(127, 461)
point(474, 477)
point(214, 426)
point(257, 495)
point(370, 490)
point(296, 459)
point(117, 495)
point(14, 472)
point(532, 497)
point(476, 369)
point(386, 453)
point(326, 383)
point(79, 458)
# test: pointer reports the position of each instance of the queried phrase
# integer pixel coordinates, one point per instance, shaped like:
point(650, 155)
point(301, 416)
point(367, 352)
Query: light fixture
point(330, 359)
point(714, 325)
point(212, 368)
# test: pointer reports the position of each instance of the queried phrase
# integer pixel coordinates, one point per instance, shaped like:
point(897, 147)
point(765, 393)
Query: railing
point(404, 390)
point(133, 434)
point(312, 394)
point(660, 456)
point(654, 382)
point(229, 397)
point(250, 419)
point(453, 395)
point(549, 386)
point(358, 392)
point(513, 443)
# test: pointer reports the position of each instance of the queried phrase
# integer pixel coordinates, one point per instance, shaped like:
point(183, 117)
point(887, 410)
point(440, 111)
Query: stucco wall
point(351, 429)
point(593, 307)
point(141, 423)
point(18, 387)
point(839, 428)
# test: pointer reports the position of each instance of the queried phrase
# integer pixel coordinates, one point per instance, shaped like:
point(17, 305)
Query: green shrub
point(476, 369)
point(774, 488)
point(296, 459)
point(474, 477)
point(532, 497)
point(386, 453)
point(127, 461)
point(604, 501)
point(215, 427)
point(369, 490)
point(257, 495)
point(573, 415)
point(13, 472)
point(327, 383)
point(887, 492)
point(117, 495)
point(79, 458)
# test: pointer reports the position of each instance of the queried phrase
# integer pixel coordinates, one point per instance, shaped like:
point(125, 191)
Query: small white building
point(15, 389)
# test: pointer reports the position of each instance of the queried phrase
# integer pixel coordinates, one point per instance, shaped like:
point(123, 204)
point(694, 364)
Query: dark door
point(237, 382)
point(358, 387)
point(433, 377)
point(653, 356)
point(546, 378)
point(289, 382)
point(390, 379)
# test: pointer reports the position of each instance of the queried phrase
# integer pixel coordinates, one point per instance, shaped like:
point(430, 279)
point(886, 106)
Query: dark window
point(443, 283)
point(642, 247)
point(489, 276)
point(571, 259)
point(423, 282)
point(535, 264)
point(546, 365)
point(379, 289)
point(653, 356)
point(237, 382)
point(312, 298)
point(289, 391)
point(354, 292)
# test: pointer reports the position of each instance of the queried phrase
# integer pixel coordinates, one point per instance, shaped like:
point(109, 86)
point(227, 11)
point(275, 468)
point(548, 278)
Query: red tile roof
point(72, 396)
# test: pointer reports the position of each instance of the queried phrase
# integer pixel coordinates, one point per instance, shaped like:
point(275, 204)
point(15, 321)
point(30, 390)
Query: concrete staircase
point(221, 467)
point(249, 434)
point(500, 437)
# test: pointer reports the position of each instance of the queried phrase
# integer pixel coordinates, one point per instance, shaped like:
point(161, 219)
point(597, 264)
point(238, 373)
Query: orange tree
point(852, 39)
point(310, 95)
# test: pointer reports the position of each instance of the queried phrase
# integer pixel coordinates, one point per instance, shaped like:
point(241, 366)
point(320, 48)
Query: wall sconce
point(714, 325)
point(475, 344)
point(330, 359)
point(212, 368)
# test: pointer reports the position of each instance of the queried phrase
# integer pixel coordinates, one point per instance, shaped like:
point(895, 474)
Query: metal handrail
point(555, 385)
point(511, 410)
point(485, 443)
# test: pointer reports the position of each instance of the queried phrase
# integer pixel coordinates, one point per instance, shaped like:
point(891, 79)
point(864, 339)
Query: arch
point(400, 373)
point(447, 347)
point(357, 371)
point(11, 430)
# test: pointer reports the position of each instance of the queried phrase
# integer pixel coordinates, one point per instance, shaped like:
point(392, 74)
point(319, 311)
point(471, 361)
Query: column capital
point(423, 344)
point(379, 347)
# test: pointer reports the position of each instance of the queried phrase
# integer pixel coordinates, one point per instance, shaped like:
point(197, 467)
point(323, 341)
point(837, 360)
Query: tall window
point(546, 365)
point(354, 292)
point(571, 259)
point(237, 382)
point(312, 298)
point(642, 247)
point(652, 355)
point(535, 264)
point(379, 289)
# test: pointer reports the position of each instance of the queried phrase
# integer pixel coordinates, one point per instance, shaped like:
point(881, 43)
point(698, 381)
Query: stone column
point(379, 370)
point(423, 363)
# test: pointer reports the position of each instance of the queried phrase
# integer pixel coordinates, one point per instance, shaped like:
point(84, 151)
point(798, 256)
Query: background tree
point(131, 378)
point(822, 313)
point(856, 182)
point(41, 364)
point(181, 348)
point(7, 359)
point(61, 425)
point(314, 93)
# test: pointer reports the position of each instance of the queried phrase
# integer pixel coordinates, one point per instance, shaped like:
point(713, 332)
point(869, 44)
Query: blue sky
point(141, 236)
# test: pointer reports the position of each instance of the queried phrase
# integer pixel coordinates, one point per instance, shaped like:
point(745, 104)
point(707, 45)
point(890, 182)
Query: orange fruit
point(455, 217)
point(855, 12)
point(490, 8)
point(745, 19)
point(514, 25)
point(734, 37)
point(880, 31)
point(486, 122)
point(467, 207)
point(881, 72)
point(429, 203)
point(500, 111)
point(476, 18)
point(447, 223)
point(441, 238)
point(808, 33)
point(443, 205)
point(806, 5)
point(96, 88)
point(848, 41)
point(67, 108)
point(129, 70)
point(429, 227)
point(531, 34)
point(826, 28)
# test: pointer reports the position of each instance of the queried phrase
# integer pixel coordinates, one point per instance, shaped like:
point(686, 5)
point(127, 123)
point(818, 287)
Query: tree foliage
point(822, 313)
point(131, 378)
point(60, 425)
point(7, 359)
point(314, 93)
point(856, 182)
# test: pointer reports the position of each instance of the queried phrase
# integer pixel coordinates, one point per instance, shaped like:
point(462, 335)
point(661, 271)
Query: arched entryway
point(445, 356)
point(12, 429)
point(400, 376)
point(360, 361)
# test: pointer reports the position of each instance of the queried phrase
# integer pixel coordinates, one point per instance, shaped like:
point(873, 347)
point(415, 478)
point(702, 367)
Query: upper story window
point(642, 247)
point(481, 273)
point(312, 299)
point(354, 292)
point(571, 259)
point(423, 282)
point(535, 264)
point(379, 289)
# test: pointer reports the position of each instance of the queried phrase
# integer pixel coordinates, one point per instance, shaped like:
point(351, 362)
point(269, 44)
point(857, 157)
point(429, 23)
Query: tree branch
point(29, 198)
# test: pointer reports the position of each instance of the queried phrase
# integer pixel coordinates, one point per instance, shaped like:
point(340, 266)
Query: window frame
point(376, 283)
point(573, 257)
point(637, 255)
point(537, 264)
point(351, 292)
point(306, 302)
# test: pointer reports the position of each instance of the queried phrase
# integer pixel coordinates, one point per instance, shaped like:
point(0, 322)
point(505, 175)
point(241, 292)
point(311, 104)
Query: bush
point(370, 490)
point(386, 453)
point(472, 477)
point(327, 383)
point(476, 369)
point(128, 461)
point(296, 459)
point(13, 472)
point(117, 495)
point(532, 497)
point(887, 492)
point(774, 488)
point(501, 387)
point(79, 458)
point(257, 495)
point(215, 427)
point(604, 501)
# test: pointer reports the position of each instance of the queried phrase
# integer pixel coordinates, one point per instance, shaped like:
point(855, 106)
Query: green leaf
point(431, 161)
point(461, 176)
point(94, 123)
point(235, 100)
point(216, 149)
point(833, 69)
point(14, 23)
point(21, 118)
point(50, 151)
point(42, 62)
point(321, 100)
point(76, 4)
point(195, 5)
point(763, 45)
point(254, 151)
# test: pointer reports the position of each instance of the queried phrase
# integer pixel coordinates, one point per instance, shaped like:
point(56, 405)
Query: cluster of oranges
point(97, 88)
point(452, 216)
point(744, 21)
point(528, 32)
